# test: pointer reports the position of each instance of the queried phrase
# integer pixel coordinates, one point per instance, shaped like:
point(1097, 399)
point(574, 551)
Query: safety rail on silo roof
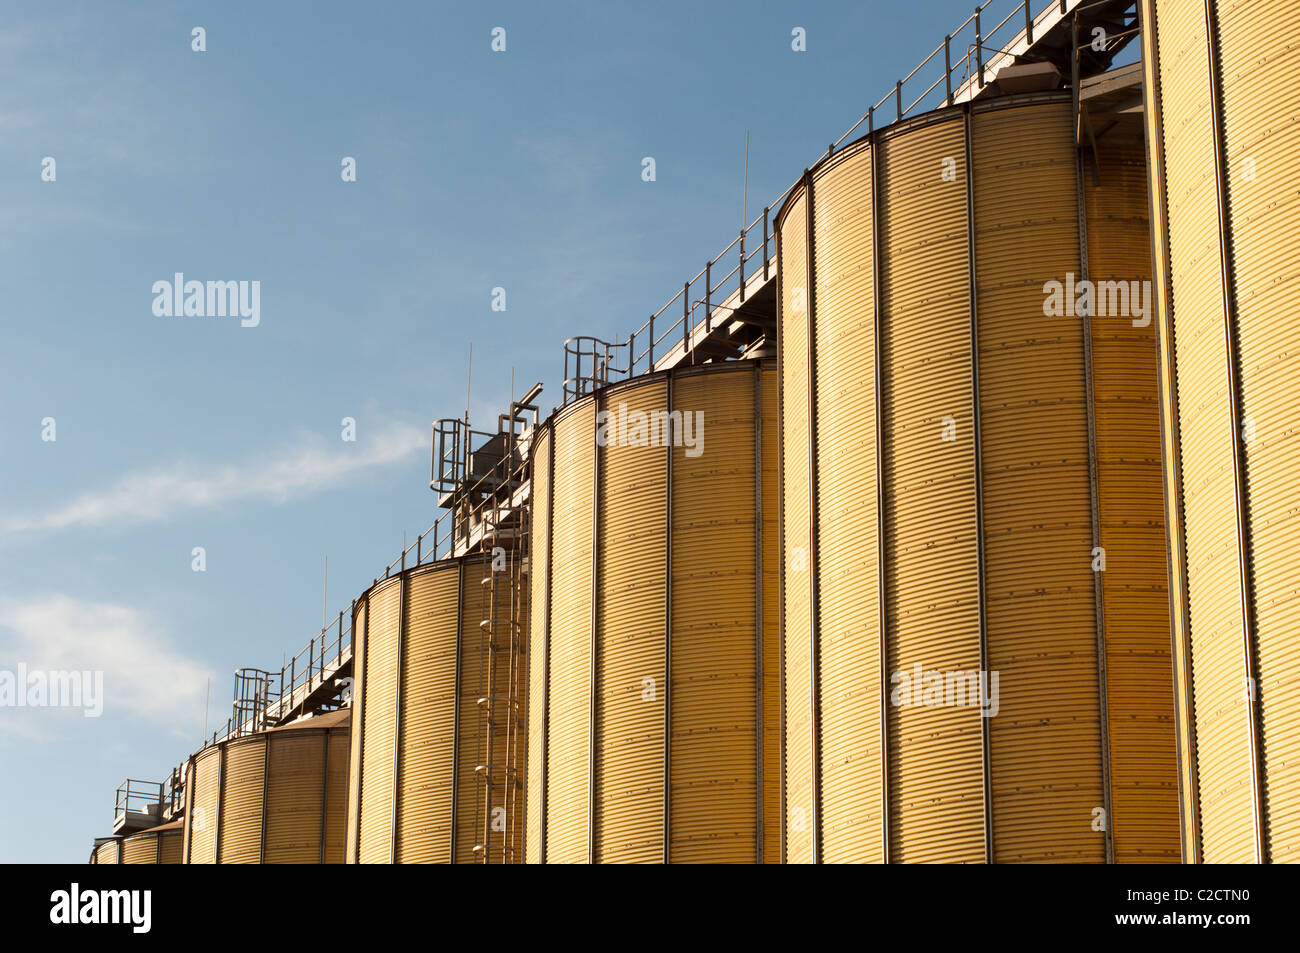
point(329, 652)
point(961, 77)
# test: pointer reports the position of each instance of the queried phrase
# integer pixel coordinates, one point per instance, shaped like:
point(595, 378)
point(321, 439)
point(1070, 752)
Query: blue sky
point(475, 170)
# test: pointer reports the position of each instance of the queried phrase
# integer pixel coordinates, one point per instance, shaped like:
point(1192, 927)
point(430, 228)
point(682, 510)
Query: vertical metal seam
point(593, 669)
point(1228, 277)
point(546, 646)
point(758, 610)
point(814, 642)
point(266, 790)
point(455, 708)
point(1171, 448)
point(1094, 490)
point(402, 592)
point(358, 714)
point(882, 625)
point(781, 553)
point(668, 629)
point(221, 786)
point(977, 468)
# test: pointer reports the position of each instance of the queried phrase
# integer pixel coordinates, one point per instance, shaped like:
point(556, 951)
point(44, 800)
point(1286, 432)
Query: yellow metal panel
point(109, 852)
point(712, 694)
point(201, 817)
point(539, 565)
point(140, 849)
point(171, 847)
point(570, 693)
point(793, 343)
point(336, 795)
point(771, 606)
point(1139, 689)
point(242, 789)
point(1260, 55)
point(630, 686)
point(428, 710)
point(295, 797)
point(935, 768)
point(353, 794)
point(848, 570)
point(469, 806)
point(379, 713)
point(1220, 709)
point(1045, 744)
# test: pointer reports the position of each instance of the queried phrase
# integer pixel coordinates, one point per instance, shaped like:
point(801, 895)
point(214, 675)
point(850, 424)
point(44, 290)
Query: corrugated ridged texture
point(336, 796)
point(713, 794)
point(428, 712)
point(273, 803)
point(795, 538)
point(295, 797)
point(986, 476)
point(851, 793)
point(1139, 690)
point(630, 685)
point(352, 837)
point(709, 680)
point(242, 786)
point(380, 714)
point(1234, 320)
point(538, 641)
point(769, 486)
point(109, 852)
point(201, 815)
point(1041, 608)
point(568, 754)
point(931, 562)
point(1221, 712)
point(1260, 51)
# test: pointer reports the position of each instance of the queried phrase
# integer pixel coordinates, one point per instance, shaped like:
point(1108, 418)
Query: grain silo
point(158, 845)
point(107, 850)
point(423, 744)
point(971, 494)
point(653, 713)
point(1223, 122)
point(275, 797)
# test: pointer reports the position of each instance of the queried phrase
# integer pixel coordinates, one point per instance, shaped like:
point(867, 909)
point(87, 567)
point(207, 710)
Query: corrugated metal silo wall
point(932, 246)
point(645, 746)
point(420, 676)
point(109, 852)
point(274, 797)
point(153, 847)
point(1224, 133)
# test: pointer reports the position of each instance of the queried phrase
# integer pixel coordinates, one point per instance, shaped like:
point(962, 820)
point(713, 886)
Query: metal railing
point(328, 650)
point(961, 73)
point(137, 797)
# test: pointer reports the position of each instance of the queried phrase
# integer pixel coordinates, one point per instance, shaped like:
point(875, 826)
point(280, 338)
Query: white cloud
point(143, 674)
point(316, 463)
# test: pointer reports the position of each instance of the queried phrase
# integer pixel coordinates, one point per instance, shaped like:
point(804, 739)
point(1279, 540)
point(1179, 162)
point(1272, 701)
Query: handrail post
point(742, 263)
point(652, 344)
point(708, 291)
point(766, 209)
point(979, 48)
point(898, 98)
point(1029, 25)
point(311, 658)
point(686, 318)
point(947, 66)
